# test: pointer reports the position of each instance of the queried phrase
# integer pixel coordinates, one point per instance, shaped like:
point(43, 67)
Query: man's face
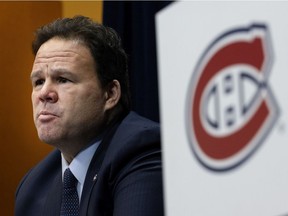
point(68, 101)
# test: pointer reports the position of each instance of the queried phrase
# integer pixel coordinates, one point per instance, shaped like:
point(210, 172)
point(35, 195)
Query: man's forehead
point(62, 47)
point(62, 53)
point(65, 55)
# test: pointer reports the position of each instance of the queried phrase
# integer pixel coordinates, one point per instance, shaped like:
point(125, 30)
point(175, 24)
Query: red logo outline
point(250, 46)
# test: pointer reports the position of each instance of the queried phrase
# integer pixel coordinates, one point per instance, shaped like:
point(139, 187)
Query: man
point(81, 105)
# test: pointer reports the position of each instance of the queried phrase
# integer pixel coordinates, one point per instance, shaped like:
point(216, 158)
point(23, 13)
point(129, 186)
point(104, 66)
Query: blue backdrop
point(135, 23)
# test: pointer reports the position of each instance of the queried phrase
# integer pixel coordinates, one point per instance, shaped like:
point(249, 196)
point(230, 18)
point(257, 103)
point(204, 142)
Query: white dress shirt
point(79, 165)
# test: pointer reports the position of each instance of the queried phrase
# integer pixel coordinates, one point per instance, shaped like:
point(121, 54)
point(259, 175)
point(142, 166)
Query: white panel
point(259, 185)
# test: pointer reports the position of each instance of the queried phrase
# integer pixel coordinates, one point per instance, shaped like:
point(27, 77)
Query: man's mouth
point(45, 116)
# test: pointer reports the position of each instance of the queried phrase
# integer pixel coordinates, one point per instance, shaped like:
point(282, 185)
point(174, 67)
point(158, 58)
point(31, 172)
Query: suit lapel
point(53, 202)
point(93, 170)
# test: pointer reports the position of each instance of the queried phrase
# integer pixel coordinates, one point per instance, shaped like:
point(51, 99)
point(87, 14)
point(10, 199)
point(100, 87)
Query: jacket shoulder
point(136, 137)
point(33, 188)
point(135, 126)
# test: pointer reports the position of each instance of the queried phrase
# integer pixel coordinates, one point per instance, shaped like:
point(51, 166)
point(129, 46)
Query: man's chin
point(49, 139)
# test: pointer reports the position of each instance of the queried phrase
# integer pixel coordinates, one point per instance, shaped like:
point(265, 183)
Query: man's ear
point(112, 94)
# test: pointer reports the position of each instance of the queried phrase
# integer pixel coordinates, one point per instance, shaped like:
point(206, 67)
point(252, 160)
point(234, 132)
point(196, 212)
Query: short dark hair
point(103, 43)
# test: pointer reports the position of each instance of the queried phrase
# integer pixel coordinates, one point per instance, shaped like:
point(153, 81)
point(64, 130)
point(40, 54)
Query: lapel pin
point(95, 178)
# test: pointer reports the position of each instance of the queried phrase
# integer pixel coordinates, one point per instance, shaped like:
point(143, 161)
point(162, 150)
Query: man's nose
point(48, 93)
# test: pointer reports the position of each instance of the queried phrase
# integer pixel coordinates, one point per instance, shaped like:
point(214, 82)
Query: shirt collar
point(80, 163)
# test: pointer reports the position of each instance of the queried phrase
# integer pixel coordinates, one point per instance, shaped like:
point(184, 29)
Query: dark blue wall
point(135, 23)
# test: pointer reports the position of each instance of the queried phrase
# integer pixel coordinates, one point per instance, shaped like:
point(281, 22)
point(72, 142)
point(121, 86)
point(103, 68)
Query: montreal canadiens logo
point(231, 108)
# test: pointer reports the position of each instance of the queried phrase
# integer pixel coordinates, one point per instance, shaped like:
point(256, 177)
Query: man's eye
point(62, 80)
point(39, 82)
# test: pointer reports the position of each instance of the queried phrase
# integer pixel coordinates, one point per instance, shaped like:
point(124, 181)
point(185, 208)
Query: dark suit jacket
point(124, 177)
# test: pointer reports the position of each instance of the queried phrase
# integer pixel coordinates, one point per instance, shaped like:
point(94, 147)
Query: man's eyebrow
point(62, 72)
point(35, 74)
point(57, 71)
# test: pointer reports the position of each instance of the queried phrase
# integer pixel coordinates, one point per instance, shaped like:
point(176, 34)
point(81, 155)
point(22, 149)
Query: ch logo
point(231, 108)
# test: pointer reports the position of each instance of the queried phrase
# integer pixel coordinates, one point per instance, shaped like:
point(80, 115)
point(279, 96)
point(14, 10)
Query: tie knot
point(69, 180)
